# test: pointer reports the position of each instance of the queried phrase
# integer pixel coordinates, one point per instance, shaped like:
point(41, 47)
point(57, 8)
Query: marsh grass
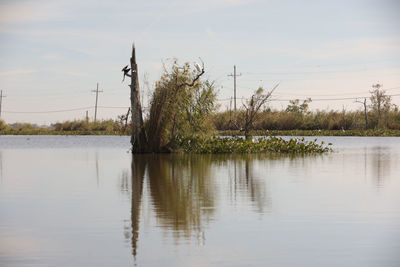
point(369, 132)
point(76, 127)
point(328, 120)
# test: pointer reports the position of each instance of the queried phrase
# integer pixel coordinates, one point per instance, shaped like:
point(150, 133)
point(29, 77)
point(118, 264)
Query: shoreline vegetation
point(111, 127)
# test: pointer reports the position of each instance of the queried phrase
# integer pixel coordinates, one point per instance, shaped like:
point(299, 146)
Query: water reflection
point(1, 166)
point(380, 164)
point(245, 209)
point(245, 179)
point(138, 168)
point(97, 168)
point(183, 189)
point(182, 193)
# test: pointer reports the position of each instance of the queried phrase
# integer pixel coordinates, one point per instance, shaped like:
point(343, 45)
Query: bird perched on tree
point(197, 66)
point(125, 70)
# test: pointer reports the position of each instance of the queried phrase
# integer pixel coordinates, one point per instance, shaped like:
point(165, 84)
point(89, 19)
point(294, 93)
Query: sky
point(53, 53)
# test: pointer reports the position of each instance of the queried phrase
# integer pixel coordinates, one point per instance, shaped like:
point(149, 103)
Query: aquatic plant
point(215, 145)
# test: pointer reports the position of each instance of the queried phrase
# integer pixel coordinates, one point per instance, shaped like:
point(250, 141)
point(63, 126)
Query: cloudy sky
point(52, 53)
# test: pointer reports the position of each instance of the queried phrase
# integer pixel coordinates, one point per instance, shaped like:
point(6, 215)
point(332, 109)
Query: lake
point(85, 201)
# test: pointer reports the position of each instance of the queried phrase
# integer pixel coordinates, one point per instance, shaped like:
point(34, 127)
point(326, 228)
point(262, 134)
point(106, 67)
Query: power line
point(49, 111)
point(218, 99)
point(308, 72)
point(309, 95)
point(330, 99)
point(301, 72)
point(50, 94)
point(64, 110)
point(354, 93)
point(297, 66)
point(317, 99)
point(113, 107)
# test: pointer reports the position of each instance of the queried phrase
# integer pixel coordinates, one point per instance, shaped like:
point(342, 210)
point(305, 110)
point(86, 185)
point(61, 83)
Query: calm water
point(84, 201)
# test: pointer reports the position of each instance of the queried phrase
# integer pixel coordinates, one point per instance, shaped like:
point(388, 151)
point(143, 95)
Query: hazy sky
point(52, 53)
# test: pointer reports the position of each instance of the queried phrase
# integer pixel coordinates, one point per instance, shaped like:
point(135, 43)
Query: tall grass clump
point(181, 105)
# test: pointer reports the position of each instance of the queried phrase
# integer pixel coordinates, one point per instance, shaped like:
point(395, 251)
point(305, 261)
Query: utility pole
point(97, 96)
point(1, 100)
point(234, 75)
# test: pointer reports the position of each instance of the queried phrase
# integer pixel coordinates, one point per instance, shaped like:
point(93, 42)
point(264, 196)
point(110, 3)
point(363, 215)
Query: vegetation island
point(184, 116)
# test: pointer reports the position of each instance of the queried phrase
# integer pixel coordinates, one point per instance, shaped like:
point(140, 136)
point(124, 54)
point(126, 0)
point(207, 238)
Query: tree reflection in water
point(380, 163)
point(245, 179)
point(183, 189)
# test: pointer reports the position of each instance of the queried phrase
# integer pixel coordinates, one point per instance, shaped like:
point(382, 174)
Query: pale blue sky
point(52, 53)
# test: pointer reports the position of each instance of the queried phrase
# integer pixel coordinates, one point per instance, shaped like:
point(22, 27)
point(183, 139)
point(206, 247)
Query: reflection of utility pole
point(365, 164)
point(379, 169)
point(1, 100)
point(1, 167)
point(97, 168)
point(232, 178)
point(234, 75)
point(97, 96)
point(235, 180)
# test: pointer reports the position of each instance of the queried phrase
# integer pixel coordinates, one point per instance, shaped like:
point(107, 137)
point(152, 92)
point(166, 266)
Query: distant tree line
point(379, 113)
point(198, 115)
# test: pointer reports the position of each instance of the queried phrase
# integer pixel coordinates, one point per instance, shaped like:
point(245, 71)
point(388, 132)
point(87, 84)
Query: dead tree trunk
point(365, 112)
point(139, 138)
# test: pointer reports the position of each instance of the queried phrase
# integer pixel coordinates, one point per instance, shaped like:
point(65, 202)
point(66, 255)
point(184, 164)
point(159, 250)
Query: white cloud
point(234, 2)
point(73, 73)
point(52, 56)
point(17, 72)
point(26, 11)
point(210, 33)
point(357, 47)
